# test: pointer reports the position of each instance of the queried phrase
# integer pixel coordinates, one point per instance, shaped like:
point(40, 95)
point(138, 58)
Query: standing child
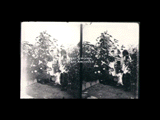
point(126, 59)
point(119, 73)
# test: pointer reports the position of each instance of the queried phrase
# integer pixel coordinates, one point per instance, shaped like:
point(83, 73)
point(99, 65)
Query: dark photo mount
point(102, 63)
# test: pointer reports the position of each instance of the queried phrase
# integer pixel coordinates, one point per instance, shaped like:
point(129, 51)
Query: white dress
point(50, 71)
point(125, 67)
point(112, 72)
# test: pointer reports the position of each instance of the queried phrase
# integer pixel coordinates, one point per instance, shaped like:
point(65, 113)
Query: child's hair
point(125, 53)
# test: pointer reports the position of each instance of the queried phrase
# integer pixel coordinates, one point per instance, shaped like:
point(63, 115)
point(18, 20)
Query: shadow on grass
point(75, 93)
point(121, 87)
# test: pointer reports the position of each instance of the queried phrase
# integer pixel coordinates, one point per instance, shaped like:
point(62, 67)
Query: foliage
point(37, 56)
point(134, 64)
point(100, 54)
point(88, 55)
point(103, 53)
point(73, 68)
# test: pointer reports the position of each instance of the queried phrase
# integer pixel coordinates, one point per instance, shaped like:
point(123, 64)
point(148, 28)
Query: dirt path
point(49, 90)
point(108, 92)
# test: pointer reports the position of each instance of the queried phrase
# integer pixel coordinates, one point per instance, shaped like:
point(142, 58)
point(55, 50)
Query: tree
point(28, 55)
point(37, 56)
point(88, 55)
point(101, 54)
point(43, 54)
point(73, 68)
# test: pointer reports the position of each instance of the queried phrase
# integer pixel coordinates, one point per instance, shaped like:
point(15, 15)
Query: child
point(126, 70)
point(119, 73)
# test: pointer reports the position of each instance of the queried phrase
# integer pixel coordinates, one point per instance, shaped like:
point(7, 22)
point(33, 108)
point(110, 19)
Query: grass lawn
point(49, 90)
point(102, 91)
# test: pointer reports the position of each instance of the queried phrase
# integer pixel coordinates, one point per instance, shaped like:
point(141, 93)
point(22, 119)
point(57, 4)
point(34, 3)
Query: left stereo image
point(49, 60)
